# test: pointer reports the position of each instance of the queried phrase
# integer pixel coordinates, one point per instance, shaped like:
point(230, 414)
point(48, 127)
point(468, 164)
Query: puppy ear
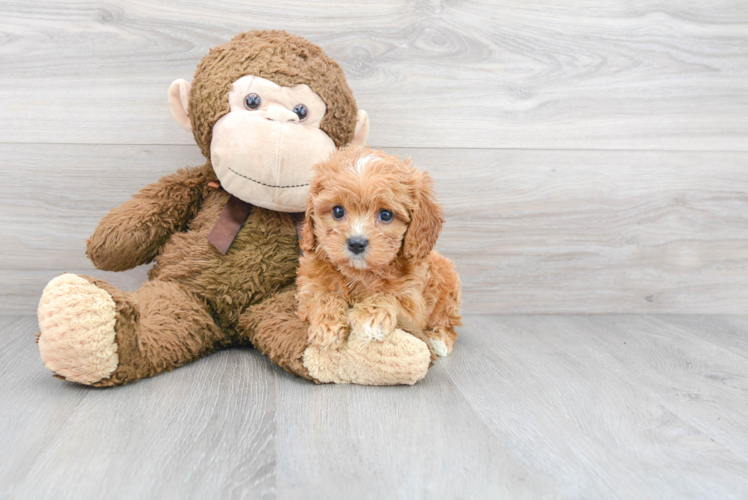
point(307, 243)
point(426, 219)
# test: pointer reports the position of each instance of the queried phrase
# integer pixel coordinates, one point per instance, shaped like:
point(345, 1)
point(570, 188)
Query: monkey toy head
point(264, 108)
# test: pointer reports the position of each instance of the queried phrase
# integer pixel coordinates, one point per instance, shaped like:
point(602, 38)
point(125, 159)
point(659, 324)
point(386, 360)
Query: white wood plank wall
point(591, 156)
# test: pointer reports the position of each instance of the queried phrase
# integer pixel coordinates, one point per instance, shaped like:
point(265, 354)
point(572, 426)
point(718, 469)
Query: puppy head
point(366, 209)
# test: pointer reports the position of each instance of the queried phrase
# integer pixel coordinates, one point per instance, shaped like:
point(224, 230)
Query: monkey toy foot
point(94, 334)
point(400, 358)
point(77, 337)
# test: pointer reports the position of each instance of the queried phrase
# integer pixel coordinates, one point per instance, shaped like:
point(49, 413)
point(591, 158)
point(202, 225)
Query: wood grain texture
point(531, 231)
point(591, 380)
point(206, 433)
point(533, 117)
point(594, 231)
point(50, 204)
point(621, 407)
point(726, 333)
point(664, 74)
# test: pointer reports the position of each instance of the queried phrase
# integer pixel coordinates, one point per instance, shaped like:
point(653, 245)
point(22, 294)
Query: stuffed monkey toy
point(263, 108)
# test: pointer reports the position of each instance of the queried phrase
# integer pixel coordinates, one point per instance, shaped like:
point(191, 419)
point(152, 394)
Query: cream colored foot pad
point(400, 359)
point(76, 319)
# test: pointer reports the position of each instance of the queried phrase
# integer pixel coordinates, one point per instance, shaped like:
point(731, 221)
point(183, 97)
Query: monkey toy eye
point(300, 111)
point(386, 216)
point(252, 101)
point(338, 212)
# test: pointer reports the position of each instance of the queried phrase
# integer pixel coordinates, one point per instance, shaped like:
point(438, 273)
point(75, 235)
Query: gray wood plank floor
point(528, 406)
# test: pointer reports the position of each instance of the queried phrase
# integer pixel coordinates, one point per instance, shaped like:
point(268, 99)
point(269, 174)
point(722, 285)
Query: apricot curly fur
point(398, 275)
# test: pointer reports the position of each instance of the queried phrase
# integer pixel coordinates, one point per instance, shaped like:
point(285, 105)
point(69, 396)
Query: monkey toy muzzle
point(263, 150)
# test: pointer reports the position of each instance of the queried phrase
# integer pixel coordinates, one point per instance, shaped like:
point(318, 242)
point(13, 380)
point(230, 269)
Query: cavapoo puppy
point(368, 259)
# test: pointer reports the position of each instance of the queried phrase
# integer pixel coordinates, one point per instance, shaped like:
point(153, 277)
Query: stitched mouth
point(267, 185)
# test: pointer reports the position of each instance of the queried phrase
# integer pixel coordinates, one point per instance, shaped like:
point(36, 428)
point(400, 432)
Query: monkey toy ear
point(179, 99)
point(362, 129)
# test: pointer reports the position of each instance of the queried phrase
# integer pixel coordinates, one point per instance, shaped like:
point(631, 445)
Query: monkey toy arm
point(133, 233)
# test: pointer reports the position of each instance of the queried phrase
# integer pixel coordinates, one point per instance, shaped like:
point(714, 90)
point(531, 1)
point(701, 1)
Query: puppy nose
point(357, 244)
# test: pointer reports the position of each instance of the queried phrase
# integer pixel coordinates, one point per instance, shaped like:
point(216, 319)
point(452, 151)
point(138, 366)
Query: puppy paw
point(373, 324)
point(328, 335)
point(442, 341)
point(440, 347)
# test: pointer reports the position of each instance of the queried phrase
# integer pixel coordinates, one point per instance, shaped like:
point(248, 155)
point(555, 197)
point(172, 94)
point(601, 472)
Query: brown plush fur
point(197, 300)
point(399, 275)
point(195, 296)
point(263, 321)
point(277, 56)
point(133, 233)
point(159, 327)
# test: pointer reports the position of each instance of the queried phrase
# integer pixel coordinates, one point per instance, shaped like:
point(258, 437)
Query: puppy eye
point(338, 212)
point(300, 111)
point(252, 101)
point(386, 216)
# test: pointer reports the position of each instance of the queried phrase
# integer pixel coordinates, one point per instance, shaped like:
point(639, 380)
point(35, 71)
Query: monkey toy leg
point(274, 329)
point(94, 334)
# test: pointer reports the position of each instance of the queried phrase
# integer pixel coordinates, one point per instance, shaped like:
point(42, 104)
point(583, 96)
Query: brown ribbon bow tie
point(233, 215)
